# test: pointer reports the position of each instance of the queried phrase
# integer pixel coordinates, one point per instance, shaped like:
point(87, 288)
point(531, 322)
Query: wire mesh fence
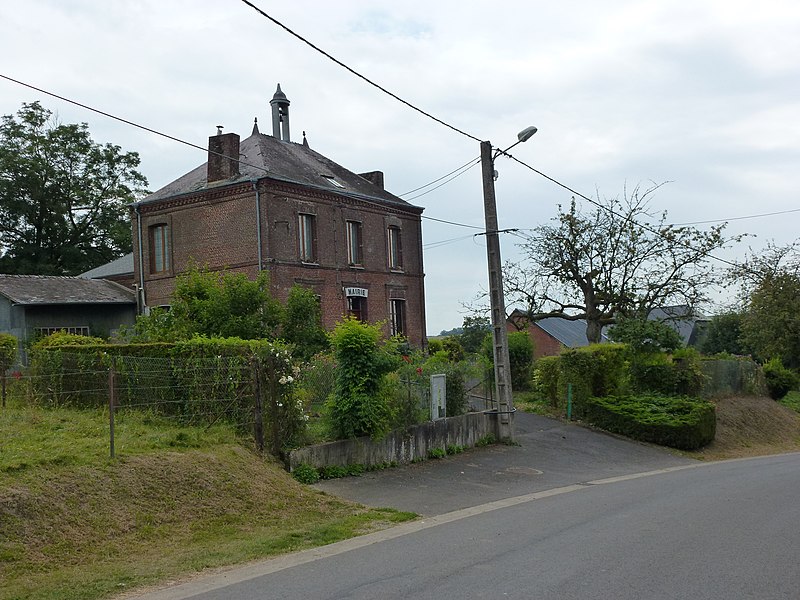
point(258, 395)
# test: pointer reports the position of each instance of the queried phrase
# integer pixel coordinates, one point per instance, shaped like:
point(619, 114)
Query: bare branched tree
point(616, 260)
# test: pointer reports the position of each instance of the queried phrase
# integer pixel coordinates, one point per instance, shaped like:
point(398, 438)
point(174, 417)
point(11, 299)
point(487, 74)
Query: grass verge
point(177, 500)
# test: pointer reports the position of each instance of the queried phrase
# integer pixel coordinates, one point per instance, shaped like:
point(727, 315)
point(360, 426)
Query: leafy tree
point(771, 323)
point(214, 304)
point(302, 323)
point(645, 335)
point(63, 197)
point(723, 334)
point(474, 329)
point(609, 263)
point(8, 355)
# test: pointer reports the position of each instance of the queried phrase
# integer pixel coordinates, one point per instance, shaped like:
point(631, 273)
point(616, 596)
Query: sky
point(704, 95)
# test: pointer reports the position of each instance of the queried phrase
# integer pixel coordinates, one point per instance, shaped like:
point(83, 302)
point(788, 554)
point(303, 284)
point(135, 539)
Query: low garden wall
point(400, 446)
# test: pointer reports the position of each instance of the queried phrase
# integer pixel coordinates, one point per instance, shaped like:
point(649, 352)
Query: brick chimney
point(374, 177)
point(223, 156)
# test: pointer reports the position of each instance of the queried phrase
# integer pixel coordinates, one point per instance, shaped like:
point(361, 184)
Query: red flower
point(17, 375)
point(406, 358)
point(419, 370)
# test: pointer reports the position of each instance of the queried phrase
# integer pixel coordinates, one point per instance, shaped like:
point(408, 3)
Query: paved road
point(714, 531)
point(551, 454)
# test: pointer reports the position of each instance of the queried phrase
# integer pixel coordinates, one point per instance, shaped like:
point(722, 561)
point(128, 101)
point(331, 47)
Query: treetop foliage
point(63, 196)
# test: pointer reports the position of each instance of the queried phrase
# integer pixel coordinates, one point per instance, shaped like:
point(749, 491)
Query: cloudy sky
point(704, 94)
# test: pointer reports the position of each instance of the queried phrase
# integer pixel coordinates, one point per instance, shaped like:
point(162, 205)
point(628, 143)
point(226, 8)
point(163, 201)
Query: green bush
point(546, 373)
point(8, 352)
point(595, 370)
point(302, 323)
point(305, 473)
point(658, 373)
point(360, 404)
point(780, 380)
point(678, 422)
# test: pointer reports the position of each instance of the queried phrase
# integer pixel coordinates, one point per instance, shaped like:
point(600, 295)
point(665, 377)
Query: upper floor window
point(395, 243)
point(354, 243)
point(159, 248)
point(397, 316)
point(307, 237)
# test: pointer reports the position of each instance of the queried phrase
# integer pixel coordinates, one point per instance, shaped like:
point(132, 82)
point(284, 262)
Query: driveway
point(550, 454)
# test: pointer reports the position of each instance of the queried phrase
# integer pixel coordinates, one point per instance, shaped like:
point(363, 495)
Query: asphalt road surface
point(728, 530)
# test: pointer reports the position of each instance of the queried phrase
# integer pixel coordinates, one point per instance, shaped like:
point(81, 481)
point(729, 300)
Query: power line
point(356, 73)
point(613, 212)
point(771, 214)
point(422, 187)
point(444, 182)
point(126, 121)
point(192, 145)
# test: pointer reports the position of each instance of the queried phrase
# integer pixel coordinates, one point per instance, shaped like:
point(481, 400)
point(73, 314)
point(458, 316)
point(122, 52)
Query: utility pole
point(502, 367)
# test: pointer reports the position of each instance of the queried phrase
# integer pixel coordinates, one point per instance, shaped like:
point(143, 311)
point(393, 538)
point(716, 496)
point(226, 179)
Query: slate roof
point(570, 333)
point(49, 290)
point(680, 318)
point(121, 266)
point(263, 155)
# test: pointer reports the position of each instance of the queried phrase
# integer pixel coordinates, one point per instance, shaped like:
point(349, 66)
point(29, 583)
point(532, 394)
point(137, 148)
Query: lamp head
point(525, 134)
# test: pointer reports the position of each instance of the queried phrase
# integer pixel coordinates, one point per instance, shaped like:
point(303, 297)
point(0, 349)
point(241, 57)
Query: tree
point(771, 323)
point(473, 330)
point(769, 282)
point(609, 263)
point(723, 334)
point(63, 197)
point(214, 304)
point(645, 336)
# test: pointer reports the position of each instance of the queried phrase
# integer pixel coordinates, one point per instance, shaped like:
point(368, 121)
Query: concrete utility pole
point(502, 369)
point(497, 303)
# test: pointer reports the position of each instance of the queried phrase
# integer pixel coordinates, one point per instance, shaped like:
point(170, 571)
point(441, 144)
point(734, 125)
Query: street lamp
point(502, 367)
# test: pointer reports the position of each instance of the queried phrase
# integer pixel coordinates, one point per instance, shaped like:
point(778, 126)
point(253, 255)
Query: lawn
point(176, 500)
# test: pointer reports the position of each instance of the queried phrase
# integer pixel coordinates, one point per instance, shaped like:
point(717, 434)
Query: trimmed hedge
point(678, 422)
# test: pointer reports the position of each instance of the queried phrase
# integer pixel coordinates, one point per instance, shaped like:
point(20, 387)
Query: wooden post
point(111, 401)
point(258, 412)
point(3, 384)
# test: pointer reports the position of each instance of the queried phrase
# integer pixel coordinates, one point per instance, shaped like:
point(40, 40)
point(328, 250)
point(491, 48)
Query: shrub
point(8, 352)
point(780, 380)
point(595, 370)
point(546, 372)
point(360, 402)
point(62, 338)
point(302, 323)
point(435, 346)
point(305, 473)
point(678, 422)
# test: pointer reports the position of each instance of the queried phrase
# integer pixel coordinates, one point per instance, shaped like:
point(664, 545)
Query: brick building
point(267, 203)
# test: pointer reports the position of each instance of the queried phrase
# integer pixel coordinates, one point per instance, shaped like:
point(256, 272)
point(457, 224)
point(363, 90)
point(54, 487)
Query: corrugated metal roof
point(41, 289)
point(121, 266)
point(265, 156)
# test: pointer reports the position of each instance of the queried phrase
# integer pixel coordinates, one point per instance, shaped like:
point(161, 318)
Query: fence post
point(258, 413)
point(3, 383)
point(111, 402)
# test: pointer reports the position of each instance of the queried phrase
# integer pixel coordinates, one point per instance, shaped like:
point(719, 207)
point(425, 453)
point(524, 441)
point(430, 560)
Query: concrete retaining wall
point(399, 446)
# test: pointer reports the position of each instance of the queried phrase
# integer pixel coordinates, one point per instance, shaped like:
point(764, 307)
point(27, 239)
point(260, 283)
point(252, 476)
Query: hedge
point(679, 422)
point(596, 370)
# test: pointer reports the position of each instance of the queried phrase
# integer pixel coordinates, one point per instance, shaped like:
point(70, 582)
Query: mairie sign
point(354, 291)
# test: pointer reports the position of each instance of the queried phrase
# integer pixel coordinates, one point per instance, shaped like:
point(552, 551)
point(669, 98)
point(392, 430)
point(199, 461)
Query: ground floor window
point(357, 307)
point(397, 316)
point(45, 331)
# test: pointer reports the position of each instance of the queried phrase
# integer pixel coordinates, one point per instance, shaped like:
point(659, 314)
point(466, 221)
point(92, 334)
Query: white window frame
point(394, 242)
point(355, 249)
point(307, 237)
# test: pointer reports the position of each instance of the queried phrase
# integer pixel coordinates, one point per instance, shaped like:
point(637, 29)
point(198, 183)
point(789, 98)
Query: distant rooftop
point(48, 290)
point(121, 266)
